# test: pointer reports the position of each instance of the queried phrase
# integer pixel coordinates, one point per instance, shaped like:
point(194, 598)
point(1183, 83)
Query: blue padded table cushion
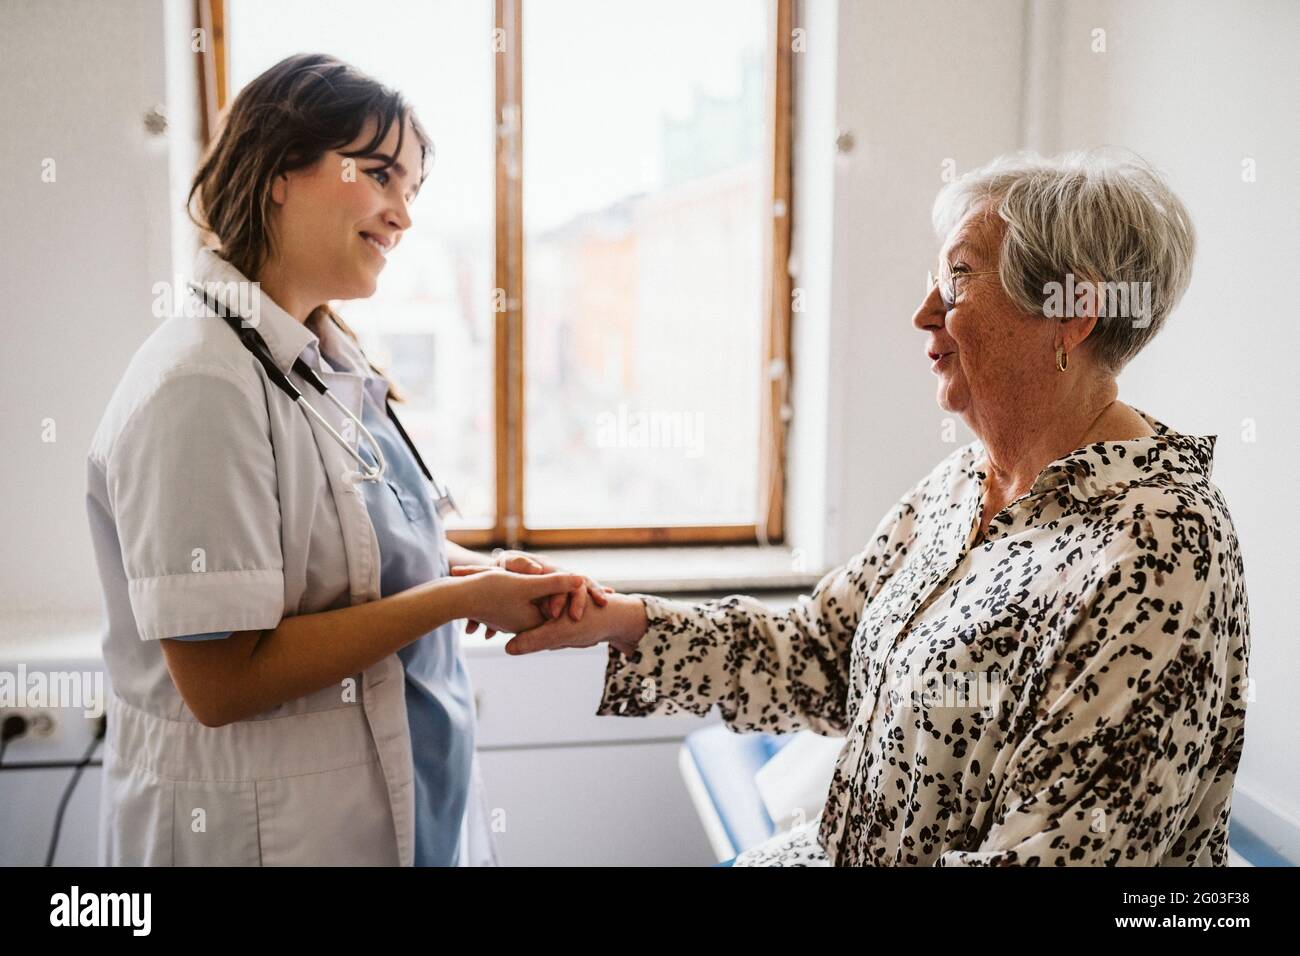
point(727, 763)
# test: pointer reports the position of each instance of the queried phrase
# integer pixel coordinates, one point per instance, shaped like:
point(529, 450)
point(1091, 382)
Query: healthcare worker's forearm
point(250, 672)
point(458, 556)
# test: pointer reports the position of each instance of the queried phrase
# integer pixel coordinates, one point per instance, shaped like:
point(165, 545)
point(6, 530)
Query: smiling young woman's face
point(337, 220)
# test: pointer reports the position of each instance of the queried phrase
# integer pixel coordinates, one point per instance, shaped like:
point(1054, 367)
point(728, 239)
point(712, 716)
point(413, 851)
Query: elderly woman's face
point(994, 356)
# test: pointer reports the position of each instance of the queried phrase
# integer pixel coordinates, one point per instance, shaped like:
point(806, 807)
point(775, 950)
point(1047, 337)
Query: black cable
point(49, 765)
point(67, 791)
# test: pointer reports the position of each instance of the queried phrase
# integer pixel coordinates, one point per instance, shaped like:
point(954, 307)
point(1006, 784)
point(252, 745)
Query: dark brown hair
point(287, 119)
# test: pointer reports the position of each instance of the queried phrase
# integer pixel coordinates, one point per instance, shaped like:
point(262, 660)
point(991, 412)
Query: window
point(586, 319)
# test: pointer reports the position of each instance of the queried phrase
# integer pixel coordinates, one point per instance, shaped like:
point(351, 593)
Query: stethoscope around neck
point(255, 344)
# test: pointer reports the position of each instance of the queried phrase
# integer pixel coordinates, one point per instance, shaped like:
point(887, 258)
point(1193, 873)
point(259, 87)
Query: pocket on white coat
point(215, 824)
point(336, 817)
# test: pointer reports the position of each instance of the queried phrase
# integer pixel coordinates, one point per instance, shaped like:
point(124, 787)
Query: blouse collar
point(1104, 469)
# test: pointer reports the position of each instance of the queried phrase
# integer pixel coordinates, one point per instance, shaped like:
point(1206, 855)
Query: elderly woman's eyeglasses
point(946, 280)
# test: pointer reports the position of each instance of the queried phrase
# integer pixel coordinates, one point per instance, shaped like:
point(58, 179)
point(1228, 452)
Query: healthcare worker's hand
point(525, 563)
point(621, 621)
point(521, 562)
point(506, 601)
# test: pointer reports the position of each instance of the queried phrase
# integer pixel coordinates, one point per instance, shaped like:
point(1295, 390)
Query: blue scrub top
point(439, 698)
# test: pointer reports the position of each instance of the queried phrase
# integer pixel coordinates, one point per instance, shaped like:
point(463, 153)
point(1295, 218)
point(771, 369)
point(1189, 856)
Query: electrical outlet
point(40, 723)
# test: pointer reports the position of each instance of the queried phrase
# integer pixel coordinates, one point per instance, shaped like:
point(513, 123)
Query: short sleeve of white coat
point(191, 482)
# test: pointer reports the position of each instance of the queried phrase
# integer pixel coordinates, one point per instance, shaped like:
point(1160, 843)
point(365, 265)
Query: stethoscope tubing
point(253, 341)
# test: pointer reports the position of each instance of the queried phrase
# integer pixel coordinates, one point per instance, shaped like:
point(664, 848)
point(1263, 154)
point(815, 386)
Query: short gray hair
point(1098, 218)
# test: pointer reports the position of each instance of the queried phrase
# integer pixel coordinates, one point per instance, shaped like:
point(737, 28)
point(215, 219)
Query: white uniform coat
point(217, 504)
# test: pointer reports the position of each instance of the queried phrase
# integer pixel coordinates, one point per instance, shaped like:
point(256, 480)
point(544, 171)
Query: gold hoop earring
point(1061, 360)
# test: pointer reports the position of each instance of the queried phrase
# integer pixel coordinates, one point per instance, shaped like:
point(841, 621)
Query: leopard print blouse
point(1068, 688)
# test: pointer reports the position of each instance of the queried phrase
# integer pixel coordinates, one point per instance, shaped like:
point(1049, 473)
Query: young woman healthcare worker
point(282, 637)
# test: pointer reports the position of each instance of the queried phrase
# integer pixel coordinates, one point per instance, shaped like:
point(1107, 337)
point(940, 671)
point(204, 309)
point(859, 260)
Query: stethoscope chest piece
point(444, 503)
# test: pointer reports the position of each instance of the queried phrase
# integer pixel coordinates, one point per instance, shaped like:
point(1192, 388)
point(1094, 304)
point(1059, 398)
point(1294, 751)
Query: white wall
point(913, 84)
point(80, 256)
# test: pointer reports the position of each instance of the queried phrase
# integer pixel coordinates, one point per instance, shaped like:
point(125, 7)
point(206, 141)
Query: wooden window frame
point(508, 528)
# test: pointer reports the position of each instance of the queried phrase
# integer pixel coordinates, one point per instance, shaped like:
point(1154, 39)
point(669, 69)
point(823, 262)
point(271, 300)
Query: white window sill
point(689, 569)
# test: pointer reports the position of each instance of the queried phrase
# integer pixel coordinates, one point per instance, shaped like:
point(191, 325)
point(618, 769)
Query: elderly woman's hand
point(621, 621)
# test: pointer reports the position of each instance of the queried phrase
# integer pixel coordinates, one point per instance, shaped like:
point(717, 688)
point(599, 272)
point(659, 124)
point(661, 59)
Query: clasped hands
point(547, 608)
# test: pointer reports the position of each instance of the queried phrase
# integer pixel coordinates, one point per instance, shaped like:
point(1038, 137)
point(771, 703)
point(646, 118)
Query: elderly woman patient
point(1040, 656)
